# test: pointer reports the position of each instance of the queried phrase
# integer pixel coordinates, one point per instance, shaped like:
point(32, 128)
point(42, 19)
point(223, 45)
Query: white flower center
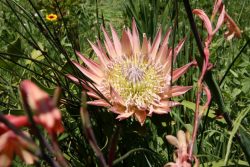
point(134, 74)
point(137, 82)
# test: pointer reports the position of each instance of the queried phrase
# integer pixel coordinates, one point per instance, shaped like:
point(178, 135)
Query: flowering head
point(51, 17)
point(135, 79)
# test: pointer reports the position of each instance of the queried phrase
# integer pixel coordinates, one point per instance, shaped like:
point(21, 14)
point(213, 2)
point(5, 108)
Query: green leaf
point(68, 68)
point(191, 106)
point(63, 136)
point(234, 73)
point(48, 90)
point(245, 140)
point(246, 85)
point(15, 47)
point(236, 126)
point(220, 163)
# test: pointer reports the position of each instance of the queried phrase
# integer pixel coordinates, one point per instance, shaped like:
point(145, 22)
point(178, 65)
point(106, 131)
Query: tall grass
point(34, 48)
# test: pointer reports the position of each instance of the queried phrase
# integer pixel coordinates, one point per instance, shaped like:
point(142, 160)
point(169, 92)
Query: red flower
point(17, 121)
point(46, 112)
point(11, 144)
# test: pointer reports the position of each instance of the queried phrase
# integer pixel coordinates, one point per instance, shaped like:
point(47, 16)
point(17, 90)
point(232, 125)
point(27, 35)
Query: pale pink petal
point(93, 66)
point(126, 44)
point(124, 115)
point(220, 20)
point(109, 45)
point(93, 94)
point(166, 104)
point(103, 51)
point(135, 37)
point(130, 37)
point(141, 115)
point(101, 56)
point(115, 96)
point(176, 91)
point(232, 26)
point(4, 139)
point(46, 117)
point(6, 159)
point(177, 49)
point(205, 19)
point(177, 73)
point(74, 79)
point(88, 73)
point(117, 43)
point(158, 110)
point(229, 35)
point(82, 82)
point(166, 37)
point(171, 164)
point(100, 102)
point(209, 96)
point(162, 53)
point(167, 64)
point(217, 6)
point(173, 140)
point(149, 44)
point(145, 46)
point(117, 108)
point(156, 45)
point(7, 148)
point(27, 157)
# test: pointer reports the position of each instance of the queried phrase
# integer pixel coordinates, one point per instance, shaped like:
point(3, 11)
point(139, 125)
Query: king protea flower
point(135, 80)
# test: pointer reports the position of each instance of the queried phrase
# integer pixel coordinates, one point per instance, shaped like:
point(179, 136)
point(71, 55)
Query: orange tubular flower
point(47, 114)
point(135, 79)
point(11, 144)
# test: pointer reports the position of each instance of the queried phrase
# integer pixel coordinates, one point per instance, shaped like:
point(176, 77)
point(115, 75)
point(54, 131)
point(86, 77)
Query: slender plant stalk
point(129, 153)
point(89, 132)
point(211, 82)
point(44, 145)
point(221, 81)
point(58, 152)
point(113, 145)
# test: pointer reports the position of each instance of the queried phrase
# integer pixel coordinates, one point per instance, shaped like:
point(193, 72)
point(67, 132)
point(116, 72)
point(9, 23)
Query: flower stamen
point(134, 74)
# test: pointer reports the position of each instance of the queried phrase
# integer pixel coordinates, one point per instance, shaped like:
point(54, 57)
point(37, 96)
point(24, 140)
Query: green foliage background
point(33, 48)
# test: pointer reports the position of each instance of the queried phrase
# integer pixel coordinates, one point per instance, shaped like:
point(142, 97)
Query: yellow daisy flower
point(51, 17)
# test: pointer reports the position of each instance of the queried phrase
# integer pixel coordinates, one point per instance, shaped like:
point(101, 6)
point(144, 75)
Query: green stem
point(128, 154)
point(211, 82)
